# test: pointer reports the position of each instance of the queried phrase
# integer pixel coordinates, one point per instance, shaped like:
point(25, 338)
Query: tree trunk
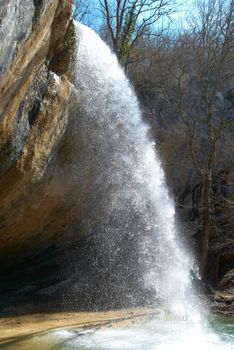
point(206, 226)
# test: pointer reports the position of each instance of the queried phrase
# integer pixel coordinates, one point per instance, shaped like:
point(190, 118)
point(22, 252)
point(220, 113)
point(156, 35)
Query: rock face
point(34, 107)
point(224, 296)
point(227, 282)
point(36, 102)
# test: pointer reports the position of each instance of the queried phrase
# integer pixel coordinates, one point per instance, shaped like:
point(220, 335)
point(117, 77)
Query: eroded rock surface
point(224, 296)
point(37, 98)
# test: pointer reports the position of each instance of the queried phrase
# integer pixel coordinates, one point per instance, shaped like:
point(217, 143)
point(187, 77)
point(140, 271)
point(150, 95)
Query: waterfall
point(132, 178)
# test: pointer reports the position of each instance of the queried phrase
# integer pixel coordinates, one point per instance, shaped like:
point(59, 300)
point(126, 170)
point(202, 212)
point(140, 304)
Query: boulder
point(224, 297)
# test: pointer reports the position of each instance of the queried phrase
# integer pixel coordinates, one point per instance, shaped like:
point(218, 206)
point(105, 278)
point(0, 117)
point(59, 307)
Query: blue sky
point(179, 17)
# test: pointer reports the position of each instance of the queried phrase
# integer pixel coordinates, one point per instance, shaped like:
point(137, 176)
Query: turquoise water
point(156, 334)
point(224, 328)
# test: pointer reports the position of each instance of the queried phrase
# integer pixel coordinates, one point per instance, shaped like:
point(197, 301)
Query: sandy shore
point(21, 327)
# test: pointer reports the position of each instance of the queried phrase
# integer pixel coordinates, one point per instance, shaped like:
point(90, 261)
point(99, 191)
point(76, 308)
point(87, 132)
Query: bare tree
point(84, 12)
point(213, 48)
point(188, 78)
point(129, 20)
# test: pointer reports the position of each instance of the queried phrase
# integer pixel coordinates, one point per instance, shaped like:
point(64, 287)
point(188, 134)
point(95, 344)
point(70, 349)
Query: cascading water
point(136, 209)
point(132, 174)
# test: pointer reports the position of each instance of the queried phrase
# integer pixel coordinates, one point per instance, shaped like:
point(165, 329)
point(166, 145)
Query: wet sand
point(22, 327)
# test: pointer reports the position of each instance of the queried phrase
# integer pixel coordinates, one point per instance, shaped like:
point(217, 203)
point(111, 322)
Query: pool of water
point(156, 334)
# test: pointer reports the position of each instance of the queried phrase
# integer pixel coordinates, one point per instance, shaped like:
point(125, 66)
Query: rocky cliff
point(36, 100)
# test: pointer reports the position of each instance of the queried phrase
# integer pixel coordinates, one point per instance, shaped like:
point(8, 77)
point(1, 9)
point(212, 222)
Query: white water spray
point(133, 173)
point(137, 205)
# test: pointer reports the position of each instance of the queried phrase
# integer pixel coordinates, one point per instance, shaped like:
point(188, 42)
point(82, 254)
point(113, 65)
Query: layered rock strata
point(36, 102)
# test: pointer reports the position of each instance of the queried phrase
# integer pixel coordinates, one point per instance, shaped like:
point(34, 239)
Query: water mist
point(133, 173)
